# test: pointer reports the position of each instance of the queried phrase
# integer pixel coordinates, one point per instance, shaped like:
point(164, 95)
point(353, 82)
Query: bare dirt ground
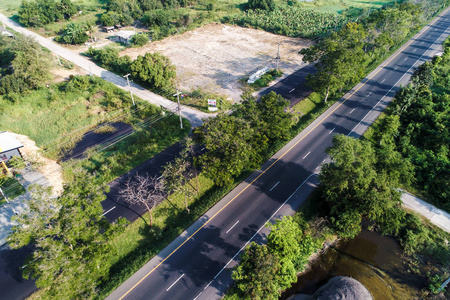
point(49, 168)
point(215, 57)
point(62, 74)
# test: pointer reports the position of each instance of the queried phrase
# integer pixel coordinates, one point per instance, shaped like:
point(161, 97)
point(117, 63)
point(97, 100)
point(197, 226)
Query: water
point(370, 258)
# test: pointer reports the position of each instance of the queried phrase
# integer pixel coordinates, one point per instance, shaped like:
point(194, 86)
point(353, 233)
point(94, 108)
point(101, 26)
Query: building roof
point(125, 34)
point(8, 142)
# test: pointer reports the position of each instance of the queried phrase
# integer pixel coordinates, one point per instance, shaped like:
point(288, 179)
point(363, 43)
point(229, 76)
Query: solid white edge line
point(108, 210)
point(245, 245)
point(412, 66)
point(198, 296)
point(174, 282)
point(208, 284)
point(232, 226)
point(274, 186)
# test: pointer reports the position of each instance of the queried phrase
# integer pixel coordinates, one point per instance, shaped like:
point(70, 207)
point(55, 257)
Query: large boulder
point(338, 288)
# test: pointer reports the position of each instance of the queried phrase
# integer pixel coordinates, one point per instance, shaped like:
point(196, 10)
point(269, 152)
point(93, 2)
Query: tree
point(268, 5)
point(66, 8)
point(255, 276)
point(69, 237)
point(144, 191)
point(139, 39)
point(339, 60)
point(174, 179)
point(73, 34)
point(30, 64)
point(354, 187)
point(227, 140)
point(29, 14)
point(154, 69)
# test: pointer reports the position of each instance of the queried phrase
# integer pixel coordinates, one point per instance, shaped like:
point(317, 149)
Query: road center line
point(264, 225)
point(232, 226)
point(332, 130)
point(306, 154)
point(108, 210)
point(369, 94)
point(274, 186)
point(175, 282)
point(383, 80)
point(421, 43)
point(414, 49)
point(292, 90)
point(352, 110)
point(350, 93)
point(198, 296)
point(405, 58)
point(395, 68)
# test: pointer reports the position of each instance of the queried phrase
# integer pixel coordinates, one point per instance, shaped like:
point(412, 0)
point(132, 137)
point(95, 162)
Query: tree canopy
point(69, 236)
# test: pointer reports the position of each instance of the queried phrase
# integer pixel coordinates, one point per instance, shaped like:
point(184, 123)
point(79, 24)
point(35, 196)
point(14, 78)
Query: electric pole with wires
point(129, 86)
point(179, 106)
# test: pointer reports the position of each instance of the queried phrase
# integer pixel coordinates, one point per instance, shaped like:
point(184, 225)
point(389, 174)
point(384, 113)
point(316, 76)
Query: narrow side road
point(194, 116)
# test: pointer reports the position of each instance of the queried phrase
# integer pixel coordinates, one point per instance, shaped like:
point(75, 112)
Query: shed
point(125, 36)
point(109, 28)
point(9, 147)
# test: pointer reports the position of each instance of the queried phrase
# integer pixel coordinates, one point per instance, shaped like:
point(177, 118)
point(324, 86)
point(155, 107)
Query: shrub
point(139, 39)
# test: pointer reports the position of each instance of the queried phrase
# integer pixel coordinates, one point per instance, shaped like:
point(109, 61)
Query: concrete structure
point(9, 147)
point(125, 36)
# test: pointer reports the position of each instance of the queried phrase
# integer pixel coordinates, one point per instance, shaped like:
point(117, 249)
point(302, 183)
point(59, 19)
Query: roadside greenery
point(23, 65)
point(154, 70)
point(417, 123)
point(42, 12)
point(267, 78)
point(69, 237)
point(345, 55)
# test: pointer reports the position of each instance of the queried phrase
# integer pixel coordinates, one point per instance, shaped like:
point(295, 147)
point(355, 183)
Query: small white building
point(9, 147)
point(125, 36)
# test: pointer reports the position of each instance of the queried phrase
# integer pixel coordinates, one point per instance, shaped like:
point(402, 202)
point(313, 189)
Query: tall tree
point(256, 275)
point(228, 147)
point(174, 180)
point(145, 191)
point(153, 69)
point(70, 239)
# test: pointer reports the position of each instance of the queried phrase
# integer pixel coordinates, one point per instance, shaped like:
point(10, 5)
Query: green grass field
point(337, 6)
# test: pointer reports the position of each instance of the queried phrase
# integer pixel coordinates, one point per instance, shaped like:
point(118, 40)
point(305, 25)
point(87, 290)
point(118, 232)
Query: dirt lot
point(216, 56)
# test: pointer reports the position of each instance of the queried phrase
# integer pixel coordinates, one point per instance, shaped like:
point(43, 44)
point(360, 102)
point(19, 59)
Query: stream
point(374, 260)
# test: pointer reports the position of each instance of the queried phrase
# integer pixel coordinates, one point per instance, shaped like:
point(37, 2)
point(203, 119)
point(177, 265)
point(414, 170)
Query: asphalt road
point(293, 87)
point(197, 264)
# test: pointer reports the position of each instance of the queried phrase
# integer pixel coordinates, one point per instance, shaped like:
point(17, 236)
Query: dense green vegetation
point(242, 141)
point(344, 57)
point(11, 187)
point(266, 270)
point(42, 12)
point(153, 70)
point(23, 65)
point(69, 237)
point(418, 123)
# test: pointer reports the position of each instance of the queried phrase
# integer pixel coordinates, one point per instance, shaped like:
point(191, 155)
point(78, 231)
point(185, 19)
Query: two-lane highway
point(197, 264)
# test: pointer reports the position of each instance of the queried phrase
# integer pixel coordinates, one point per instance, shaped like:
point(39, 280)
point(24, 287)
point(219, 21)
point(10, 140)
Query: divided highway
point(197, 264)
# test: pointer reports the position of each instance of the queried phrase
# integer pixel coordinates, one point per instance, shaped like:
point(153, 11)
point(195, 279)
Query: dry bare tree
point(145, 191)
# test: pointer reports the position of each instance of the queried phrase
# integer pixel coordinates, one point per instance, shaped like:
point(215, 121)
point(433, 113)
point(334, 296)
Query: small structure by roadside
point(109, 28)
point(9, 147)
point(5, 32)
point(125, 36)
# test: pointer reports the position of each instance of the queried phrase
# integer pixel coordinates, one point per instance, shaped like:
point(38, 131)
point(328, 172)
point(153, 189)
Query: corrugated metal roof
point(8, 142)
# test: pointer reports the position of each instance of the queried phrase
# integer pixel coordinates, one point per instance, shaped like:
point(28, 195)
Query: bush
point(74, 34)
point(139, 39)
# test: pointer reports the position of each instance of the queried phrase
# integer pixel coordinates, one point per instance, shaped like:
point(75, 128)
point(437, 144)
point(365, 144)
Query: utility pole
point(129, 86)
point(179, 106)
point(278, 55)
point(368, 12)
